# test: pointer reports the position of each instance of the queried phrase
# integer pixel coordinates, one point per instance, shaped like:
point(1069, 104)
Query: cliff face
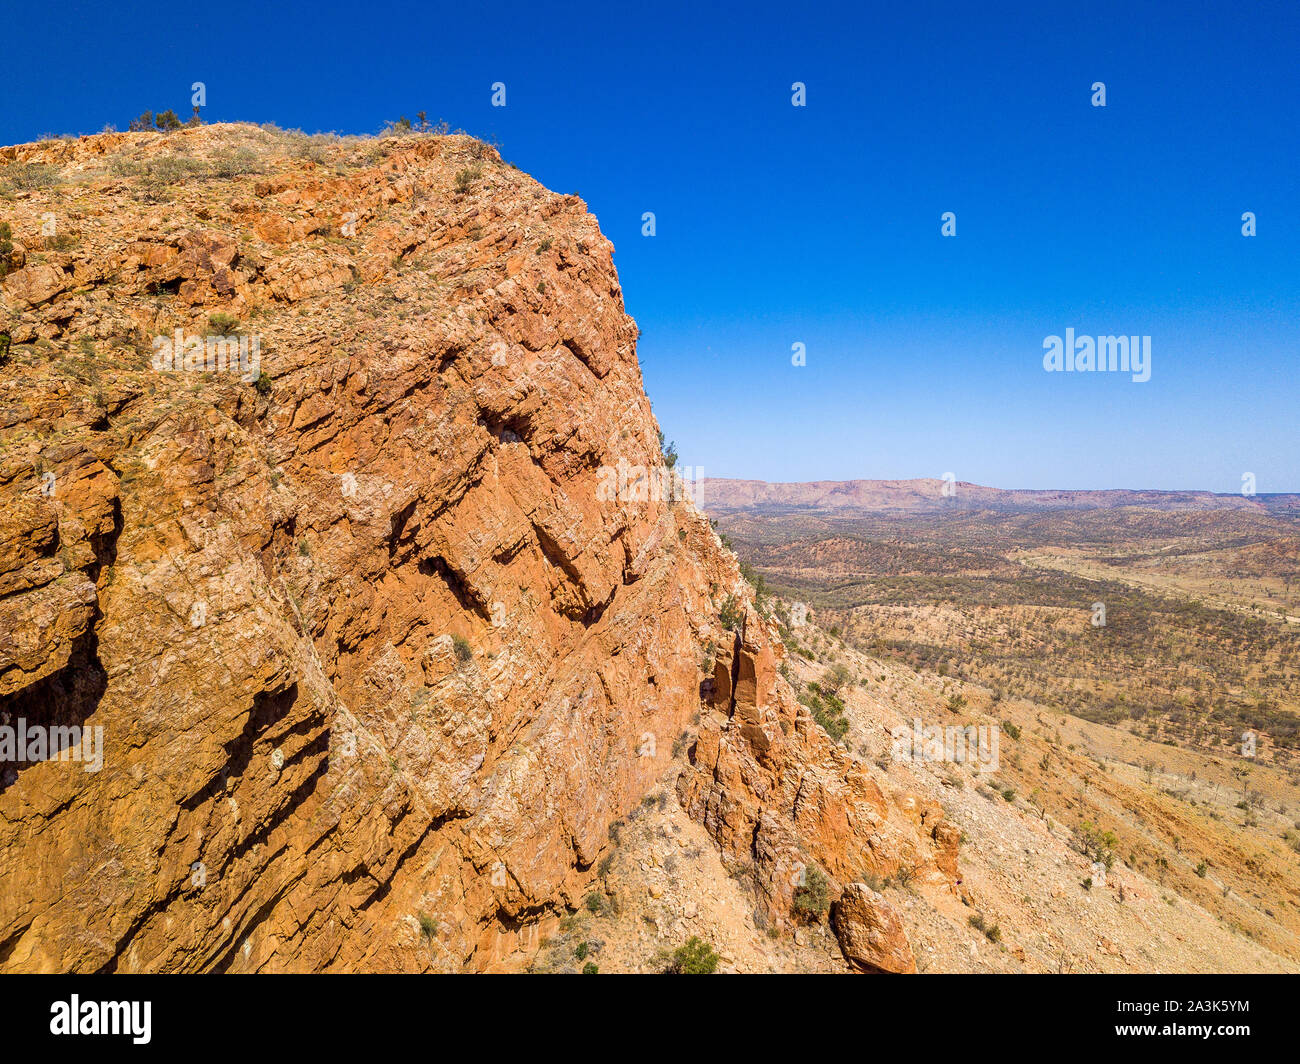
point(376, 654)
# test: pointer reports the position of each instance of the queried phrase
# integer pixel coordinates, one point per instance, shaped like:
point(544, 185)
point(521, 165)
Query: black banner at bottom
point(168, 1013)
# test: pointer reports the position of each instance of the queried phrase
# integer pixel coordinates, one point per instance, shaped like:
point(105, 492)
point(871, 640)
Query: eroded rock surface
point(375, 660)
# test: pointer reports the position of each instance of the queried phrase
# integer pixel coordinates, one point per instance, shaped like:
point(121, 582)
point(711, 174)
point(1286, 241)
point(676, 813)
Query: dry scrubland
point(1129, 733)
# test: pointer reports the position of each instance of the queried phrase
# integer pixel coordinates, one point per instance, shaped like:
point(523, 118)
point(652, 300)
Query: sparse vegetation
point(990, 931)
point(812, 896)
point(236, 162)
point(827, 710)
point(696, 957)
point(28, 176)
point(223, 324)
point(667, 451)
point(466, 178)
point(1095, 844)
point(836, 678)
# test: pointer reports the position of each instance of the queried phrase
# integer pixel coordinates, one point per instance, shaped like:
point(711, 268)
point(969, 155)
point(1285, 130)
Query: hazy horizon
point(707, 474)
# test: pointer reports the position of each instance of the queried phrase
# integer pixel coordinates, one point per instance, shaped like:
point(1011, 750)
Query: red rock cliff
point(375, 658)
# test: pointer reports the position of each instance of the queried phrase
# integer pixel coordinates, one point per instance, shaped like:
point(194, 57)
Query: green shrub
point(1095, 844)
point(827, 710)
point(170, 170)
point(581, 952)
point(460, 646)
point(990, 931)
point(837, 677)
point(667, 450)
point(812, 897)
point(121, 166)
point(428, 926)
point(732, 613)
point(756, 581)
point(590, 969)
point(167, 121)
point(223, 324)
point(465, 178)
point(696, 957)
point(61, 242)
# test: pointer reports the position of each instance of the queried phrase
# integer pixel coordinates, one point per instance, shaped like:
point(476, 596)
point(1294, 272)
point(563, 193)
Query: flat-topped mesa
point(374, 661)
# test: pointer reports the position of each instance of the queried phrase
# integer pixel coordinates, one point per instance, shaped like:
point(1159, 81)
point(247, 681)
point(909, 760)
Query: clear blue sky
point(821, 224)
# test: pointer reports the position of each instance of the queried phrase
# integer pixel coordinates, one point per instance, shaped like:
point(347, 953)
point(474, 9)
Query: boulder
point(870, 933)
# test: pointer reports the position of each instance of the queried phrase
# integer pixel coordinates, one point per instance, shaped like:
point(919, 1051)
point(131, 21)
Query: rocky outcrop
point(374, 661)
point(870, 933)
point(778, 795)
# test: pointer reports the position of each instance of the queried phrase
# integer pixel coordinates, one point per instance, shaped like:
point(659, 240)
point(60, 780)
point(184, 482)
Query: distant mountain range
point(720, 495)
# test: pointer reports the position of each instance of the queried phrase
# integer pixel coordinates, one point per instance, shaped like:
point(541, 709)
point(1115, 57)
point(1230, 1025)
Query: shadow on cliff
point(67, 697)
